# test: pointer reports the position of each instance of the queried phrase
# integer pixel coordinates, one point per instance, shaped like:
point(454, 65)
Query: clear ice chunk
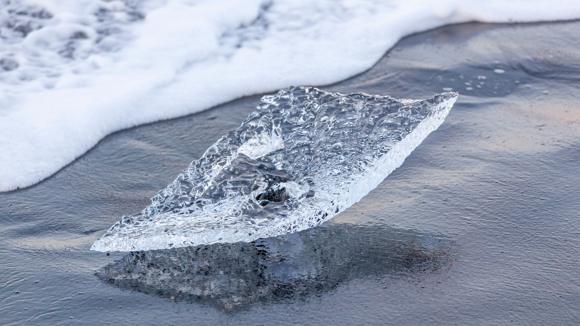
point(301, 158)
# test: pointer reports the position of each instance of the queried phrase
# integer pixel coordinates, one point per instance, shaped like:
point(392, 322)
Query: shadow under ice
point(284, 268)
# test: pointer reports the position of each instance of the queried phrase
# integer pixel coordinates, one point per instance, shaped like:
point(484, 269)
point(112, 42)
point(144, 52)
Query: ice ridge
point(301, 158)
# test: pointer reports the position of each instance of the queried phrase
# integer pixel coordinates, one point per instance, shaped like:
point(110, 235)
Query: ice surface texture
point(302, 157)
point(74, 71)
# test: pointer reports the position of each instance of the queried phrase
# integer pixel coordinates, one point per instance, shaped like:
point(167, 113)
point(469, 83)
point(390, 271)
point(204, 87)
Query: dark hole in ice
point(278, 196)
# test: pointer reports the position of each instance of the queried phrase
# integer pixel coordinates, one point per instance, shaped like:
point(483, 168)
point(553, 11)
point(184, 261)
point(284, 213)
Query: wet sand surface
point(480, 226)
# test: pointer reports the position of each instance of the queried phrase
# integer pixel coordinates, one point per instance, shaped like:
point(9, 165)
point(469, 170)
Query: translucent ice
point(302, 157)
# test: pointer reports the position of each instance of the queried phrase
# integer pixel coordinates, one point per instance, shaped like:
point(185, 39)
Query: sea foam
point(74, 71)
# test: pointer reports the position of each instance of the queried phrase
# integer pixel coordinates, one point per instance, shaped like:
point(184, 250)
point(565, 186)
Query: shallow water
point(479, 226)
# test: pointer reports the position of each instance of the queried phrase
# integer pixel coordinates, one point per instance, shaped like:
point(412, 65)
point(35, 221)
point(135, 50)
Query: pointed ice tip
point(315, 173)
point(97, 246)
point(448, 95)
point(445, 100)
point(105, 245)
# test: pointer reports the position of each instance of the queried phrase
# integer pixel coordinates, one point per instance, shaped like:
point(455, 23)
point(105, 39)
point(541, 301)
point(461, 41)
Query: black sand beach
point(480, 226)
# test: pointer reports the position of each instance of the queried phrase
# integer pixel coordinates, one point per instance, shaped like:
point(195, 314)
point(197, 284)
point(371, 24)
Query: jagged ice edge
point(369, 181)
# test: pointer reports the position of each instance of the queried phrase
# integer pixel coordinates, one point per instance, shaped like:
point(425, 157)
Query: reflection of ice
point(287, 267)
point(301, 158)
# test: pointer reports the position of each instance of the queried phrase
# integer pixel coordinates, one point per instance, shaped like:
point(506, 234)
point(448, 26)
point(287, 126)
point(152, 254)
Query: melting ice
point(302, 157)
point(74, 71)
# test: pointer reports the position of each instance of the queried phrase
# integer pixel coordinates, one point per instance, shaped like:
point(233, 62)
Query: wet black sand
point(481, 224)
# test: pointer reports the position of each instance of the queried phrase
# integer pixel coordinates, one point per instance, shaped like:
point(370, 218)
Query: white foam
point(96, 67)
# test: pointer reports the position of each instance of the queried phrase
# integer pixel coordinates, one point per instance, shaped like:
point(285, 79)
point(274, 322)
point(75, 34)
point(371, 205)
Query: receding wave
point(74, 71)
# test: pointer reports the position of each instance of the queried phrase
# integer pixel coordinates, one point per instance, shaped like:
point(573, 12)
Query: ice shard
point(301, 158)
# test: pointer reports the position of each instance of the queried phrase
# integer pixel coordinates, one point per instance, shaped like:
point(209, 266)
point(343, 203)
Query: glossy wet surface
point(480, 225)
